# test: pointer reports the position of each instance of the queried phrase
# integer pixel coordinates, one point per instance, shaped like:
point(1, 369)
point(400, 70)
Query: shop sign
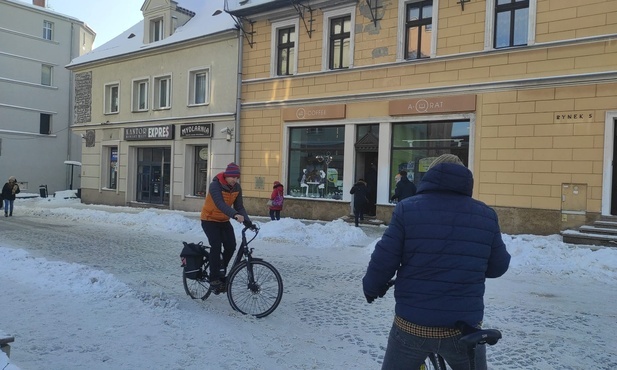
point(574, 117)
point(196, 130)
point(318, 112)
point(445, 104)
point(149, 133)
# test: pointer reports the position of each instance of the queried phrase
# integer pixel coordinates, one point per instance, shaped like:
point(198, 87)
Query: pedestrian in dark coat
point(404, 188)
point(9, 190)
point(277, 197)
point(360, 199)
point(442, 245)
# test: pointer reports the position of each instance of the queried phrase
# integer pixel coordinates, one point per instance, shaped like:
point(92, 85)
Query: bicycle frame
point(244, 252)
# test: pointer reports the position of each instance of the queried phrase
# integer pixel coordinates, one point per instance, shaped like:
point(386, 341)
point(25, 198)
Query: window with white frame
point(284, 48)
point(112, 98)
point(199, 90)
point(48, 30)
point(511, 23)
point(140, 95)
point(111, 164)
point(338, 38)
point(156, 30)
point(162, 92)
point(46, 74)
point(418, 27)
point(417, 30)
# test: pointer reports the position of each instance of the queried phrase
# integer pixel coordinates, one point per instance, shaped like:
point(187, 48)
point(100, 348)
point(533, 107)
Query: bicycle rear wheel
point(256, 289)
point(434, 362)
point(199, 288)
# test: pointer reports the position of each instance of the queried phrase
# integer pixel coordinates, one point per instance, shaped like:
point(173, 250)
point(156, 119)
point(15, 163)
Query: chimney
point(40, 3)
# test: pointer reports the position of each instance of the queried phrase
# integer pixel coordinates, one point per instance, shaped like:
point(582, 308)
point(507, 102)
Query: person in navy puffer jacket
point(442, 245)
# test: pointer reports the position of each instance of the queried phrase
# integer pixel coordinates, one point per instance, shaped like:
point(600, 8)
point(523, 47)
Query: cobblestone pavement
point(545, 326)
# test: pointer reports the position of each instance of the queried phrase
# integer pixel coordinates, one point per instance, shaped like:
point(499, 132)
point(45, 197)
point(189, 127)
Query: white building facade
point(36, 94)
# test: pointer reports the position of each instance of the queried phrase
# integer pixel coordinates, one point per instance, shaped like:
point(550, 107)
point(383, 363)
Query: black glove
point(251, 226)
point(369, 299)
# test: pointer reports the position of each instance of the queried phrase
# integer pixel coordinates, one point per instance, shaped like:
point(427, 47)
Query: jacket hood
point(276, 184)
point(447, 177)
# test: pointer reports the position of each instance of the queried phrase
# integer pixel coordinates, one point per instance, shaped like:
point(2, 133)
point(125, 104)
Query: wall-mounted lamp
point(228, 132)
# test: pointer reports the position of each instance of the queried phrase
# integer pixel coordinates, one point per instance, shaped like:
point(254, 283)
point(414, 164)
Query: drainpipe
point(238, 99)
point(70, 107)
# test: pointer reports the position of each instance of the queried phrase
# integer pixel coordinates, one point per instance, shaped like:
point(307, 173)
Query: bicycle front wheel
point(256, 289)
point(199, 288)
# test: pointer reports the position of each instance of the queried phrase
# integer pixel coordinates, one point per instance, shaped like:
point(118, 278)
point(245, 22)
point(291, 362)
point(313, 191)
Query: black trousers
point(219, 234)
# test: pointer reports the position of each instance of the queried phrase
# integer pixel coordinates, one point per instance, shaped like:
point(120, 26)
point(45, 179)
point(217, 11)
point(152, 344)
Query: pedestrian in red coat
point(277, 198)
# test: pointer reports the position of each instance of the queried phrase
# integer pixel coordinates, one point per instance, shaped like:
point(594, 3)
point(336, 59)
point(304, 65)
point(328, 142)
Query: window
point(48, 30)
point(199, 81)
point(140, 95)
point(284, 56)
point(415, 145)
point(511, 20)
point(201, 171)
point(46, 74)
point(112, 181)
point(418, 27)
point(316, 162)
point(156, 30)
point(339, 41)
point(45, 124)
point(112, 98)
point(162, 91)
point(512, 23)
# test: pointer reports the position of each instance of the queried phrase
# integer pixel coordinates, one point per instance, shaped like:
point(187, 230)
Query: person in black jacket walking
point(360, 200)
point(10, 189)
point(404, 188)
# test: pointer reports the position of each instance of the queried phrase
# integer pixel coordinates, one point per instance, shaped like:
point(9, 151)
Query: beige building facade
point(156, 107)
point(525, 92)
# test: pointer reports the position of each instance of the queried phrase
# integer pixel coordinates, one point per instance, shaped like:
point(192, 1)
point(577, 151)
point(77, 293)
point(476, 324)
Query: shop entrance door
point(153, 175)
point(367, 150)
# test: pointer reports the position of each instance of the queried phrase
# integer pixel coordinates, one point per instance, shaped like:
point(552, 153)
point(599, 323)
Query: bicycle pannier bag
point(193, 256)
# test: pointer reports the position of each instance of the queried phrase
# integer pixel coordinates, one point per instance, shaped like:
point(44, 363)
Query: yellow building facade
point(525, 92)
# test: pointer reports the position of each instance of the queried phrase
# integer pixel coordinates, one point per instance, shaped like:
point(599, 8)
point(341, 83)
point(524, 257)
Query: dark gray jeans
point(407, 351)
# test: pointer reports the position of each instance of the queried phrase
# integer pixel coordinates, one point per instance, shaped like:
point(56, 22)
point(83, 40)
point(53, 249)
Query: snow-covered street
point(94, 287)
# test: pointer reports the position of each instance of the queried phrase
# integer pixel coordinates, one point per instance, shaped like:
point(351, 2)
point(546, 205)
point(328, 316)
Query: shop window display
point(415, 145)
point(316, 162)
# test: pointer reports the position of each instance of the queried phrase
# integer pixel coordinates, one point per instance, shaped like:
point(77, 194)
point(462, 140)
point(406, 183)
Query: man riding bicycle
point(442, 245)
point(223, 202)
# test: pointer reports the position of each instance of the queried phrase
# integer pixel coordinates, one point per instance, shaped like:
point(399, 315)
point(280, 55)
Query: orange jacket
point(222, 201)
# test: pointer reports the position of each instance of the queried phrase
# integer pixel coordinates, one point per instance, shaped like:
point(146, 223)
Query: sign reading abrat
point(149, 133)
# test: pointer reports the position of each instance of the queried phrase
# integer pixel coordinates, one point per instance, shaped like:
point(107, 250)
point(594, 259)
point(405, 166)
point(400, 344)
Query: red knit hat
point(232, 170)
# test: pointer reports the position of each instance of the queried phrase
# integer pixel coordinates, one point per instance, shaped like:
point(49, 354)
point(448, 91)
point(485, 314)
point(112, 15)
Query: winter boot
point(11, 214)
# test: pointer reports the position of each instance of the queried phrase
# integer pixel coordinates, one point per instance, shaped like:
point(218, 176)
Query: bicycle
point(253, 285)
point(471, 338)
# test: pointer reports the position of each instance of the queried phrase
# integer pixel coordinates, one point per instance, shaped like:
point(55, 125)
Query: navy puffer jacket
point(442, 245)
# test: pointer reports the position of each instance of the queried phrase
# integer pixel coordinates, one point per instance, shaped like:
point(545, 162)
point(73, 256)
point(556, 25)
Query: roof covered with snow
point(204, 23)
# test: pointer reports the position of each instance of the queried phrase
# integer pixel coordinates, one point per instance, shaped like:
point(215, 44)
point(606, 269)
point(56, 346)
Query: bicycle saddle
point(472, 336)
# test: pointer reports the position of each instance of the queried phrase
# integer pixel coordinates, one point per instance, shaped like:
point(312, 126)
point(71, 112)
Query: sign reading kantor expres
point(149, 133)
